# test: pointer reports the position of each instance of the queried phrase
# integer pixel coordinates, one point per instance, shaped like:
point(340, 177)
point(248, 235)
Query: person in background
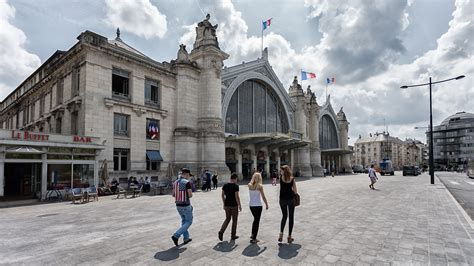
point(114, 185)
point(208, 180)
point(372, 176)
point(256, 194)
point(182, 194)
point(274, 178)
point(214, 180)
point(231, 201)
point(147, 184)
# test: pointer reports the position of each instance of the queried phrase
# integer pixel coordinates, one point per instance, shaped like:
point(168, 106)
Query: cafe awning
point(24, 149)
point(154, 155)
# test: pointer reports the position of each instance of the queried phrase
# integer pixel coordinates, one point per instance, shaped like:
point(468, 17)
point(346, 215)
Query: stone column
point(239, 164)
point(344, 140)
point(96, 173)
point(254, 164)
point(267, 164)
point(44, 174)
point(315, 151)
point(210, 127)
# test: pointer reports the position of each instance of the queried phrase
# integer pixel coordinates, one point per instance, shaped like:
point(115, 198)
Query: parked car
point(409, 170)
point(358, 168)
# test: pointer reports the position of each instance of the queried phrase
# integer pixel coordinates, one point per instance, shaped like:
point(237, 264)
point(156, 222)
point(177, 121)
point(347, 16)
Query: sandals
point(280, 237)
point(290, 240)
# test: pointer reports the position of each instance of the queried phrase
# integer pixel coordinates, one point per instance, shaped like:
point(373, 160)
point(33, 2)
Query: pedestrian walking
point(208, 180)
point(231, 201)
point(287, 205)
point(256, 194)
point(182, 192)
point(214, 180)
point(373, 176)
point(274, 178)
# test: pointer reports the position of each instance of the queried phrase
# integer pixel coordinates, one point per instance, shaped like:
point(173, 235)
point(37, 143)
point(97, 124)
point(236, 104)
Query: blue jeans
point(186, 213)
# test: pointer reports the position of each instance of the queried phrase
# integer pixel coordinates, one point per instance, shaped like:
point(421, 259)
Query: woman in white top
point(256, 194)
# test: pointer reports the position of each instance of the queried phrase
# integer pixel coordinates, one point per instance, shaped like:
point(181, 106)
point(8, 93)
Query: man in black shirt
point(231, 200)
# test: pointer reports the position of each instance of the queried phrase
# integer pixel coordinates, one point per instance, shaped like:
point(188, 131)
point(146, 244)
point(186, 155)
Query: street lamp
point(431, 155)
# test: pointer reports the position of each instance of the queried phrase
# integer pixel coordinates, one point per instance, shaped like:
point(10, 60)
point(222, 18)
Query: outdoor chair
point(76, 194)
point(92, 193)
point(163, 186)
point(121, 190)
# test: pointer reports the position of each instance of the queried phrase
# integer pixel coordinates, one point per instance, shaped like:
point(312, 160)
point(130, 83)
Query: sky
point(370, 47)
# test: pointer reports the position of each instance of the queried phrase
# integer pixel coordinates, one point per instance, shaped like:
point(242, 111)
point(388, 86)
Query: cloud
point(360, 45)
point(139, 17)
point(17, 63)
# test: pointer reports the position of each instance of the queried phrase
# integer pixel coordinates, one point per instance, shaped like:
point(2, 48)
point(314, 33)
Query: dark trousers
point(257, 213)
point(230, 212)
point(214, 182)
point(287, 206)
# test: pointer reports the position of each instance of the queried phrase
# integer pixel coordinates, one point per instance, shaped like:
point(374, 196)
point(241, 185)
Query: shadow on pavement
point(253, 250)
point(225, 246)
point(170, 254)
point(288, 251)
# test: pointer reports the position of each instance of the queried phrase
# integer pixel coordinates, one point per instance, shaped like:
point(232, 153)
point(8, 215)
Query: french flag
point(307, 75)
point(330, 80)
point(266, 23)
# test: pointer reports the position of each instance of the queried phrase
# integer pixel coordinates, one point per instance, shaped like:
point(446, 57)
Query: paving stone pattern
point(341, 221)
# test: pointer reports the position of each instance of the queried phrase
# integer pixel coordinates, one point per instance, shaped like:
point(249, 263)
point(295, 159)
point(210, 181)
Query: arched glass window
point(254, 108)
point(327, 133)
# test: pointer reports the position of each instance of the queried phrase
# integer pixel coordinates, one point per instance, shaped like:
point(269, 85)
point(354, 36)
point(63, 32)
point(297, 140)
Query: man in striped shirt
point(182, 192)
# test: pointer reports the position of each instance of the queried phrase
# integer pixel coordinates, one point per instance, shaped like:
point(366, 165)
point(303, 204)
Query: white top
point(372, 172)
point(255, 198)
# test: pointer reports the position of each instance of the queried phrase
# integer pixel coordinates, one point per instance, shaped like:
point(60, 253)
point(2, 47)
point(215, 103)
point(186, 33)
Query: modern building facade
point(152, 118)
point(453, 141)
point(372, 149)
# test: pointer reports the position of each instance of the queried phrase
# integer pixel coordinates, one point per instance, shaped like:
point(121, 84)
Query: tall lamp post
point(431, 155)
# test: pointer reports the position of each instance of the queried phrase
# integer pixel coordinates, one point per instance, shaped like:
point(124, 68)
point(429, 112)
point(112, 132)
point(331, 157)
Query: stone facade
point(107, 89)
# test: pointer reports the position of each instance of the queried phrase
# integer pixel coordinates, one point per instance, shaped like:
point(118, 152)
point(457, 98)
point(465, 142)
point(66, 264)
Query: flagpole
point(261, 50)
point(326, 91)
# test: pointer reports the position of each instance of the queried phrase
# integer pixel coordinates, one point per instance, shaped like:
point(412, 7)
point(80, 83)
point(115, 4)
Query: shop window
point(152, 93)
point(83, 175)
point(121, 125)
point(152, 129)
point(121, 159)
point(59, 176)
point(120, 83)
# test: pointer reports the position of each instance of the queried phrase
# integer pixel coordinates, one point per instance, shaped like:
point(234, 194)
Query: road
point(461, 187)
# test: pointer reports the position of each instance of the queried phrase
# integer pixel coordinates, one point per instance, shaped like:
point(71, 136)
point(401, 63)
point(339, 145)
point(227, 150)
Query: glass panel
point(123, 161)
point(59, 175)
point(327, 133)
point(271, 113)
point(83, 175)
point(231, 117)
point(259, 101)
point(245, 108)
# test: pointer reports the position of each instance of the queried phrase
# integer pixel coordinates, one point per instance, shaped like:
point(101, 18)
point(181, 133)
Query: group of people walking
point(182, 192)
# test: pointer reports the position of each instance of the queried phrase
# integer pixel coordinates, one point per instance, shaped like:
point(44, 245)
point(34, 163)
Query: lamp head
point(460, 77)
point(404, 87)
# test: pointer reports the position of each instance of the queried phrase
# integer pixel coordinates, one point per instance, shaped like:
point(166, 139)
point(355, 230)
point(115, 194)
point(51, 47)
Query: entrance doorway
point(22, 181)
point(246, 170)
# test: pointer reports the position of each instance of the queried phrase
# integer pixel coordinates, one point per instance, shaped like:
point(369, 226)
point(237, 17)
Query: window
point(152, 129)
point(58, 125)
point(74, 129)
point(120, 83)
point(76, 79)
point(152, 92)
point(25, 116)
point(42, 101)
point(121, 125)
point(121, 159)
point(153, 160)
point(32, 117)
point(59, 91)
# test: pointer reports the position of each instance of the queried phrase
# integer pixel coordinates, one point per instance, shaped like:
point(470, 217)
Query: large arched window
point(253, 108)
point(327, 133)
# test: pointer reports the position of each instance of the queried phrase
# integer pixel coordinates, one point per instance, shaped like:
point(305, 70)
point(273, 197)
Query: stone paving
point(341, 221)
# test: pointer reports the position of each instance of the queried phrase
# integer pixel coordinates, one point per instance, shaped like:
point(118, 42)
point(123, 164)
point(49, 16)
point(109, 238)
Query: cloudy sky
point(371, 47)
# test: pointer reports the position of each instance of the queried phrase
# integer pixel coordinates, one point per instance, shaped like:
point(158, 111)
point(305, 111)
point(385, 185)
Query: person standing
point(287, 205)
point(256, 194)
point(208, 180)
point(214, 180)
point(372, 176)
point(274, 178)
point(182, 193)
point(231, 200)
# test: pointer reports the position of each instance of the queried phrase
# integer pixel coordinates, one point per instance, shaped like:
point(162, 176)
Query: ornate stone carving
point(341, 115)
point(206, 33)
point(227, 82)
point(183, 56)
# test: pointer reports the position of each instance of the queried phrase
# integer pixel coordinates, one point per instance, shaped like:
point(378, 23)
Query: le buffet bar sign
point(26, 135)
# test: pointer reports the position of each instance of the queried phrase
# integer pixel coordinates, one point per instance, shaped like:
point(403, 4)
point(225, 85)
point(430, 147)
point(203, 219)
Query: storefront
point(33, 165)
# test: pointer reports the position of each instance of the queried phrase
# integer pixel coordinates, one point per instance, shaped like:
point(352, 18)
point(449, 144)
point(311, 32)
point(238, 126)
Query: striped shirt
point(180, 192)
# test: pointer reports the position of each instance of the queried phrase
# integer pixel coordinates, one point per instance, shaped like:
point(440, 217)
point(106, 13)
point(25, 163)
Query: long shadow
point(225, 246)
point(170, 254)
point(288, 251)
point(253, 250)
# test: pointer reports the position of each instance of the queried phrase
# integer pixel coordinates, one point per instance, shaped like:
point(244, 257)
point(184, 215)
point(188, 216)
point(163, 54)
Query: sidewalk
point(340, 221)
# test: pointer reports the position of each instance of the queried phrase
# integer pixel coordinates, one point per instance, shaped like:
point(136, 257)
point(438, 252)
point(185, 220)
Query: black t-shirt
point(286, 190)
point(229, 192)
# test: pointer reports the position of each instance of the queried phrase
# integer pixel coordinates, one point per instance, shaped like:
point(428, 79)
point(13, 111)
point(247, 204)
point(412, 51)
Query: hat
point(185, 170)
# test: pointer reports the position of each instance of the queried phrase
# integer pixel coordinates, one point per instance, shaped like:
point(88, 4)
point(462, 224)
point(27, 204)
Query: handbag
point(296, 199)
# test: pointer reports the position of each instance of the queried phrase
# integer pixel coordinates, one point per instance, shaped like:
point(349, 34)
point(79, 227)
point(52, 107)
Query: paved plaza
point(341, 221)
